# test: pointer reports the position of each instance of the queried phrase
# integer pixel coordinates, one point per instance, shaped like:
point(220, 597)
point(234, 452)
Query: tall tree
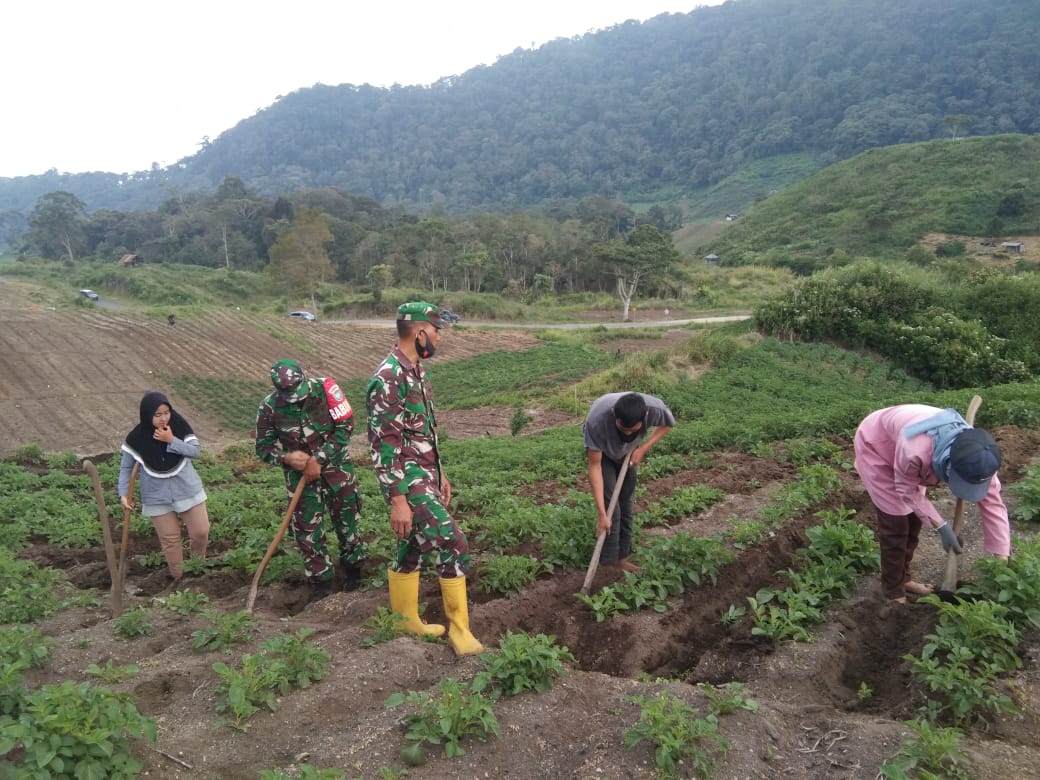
point(57, 225)
point(298, 257)
point(642, 255)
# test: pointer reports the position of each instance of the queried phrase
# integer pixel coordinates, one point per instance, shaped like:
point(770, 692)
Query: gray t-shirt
point(602, 435)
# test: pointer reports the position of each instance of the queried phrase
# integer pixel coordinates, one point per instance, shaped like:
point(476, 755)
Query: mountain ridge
point(641, 110)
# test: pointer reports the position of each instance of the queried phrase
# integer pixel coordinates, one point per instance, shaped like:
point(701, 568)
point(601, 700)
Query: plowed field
point(71, 380)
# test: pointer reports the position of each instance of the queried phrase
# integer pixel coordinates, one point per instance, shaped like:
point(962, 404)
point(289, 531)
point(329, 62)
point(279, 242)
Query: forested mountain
point(641, 111)
point(882, 202)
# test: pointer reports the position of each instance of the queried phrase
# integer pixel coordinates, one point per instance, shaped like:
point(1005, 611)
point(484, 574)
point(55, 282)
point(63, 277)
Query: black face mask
point(426, 350)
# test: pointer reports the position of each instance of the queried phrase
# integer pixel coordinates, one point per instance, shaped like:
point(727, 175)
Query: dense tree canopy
point(638, 111)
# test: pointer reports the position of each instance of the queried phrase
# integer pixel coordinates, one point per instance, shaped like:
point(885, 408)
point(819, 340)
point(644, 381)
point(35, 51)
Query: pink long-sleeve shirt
point(897, 471)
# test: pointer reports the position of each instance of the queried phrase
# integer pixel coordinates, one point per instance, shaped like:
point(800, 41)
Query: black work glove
point(949, 538)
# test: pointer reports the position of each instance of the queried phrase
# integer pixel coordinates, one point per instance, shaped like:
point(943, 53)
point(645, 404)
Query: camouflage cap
point(286, 375)
point(420, 311)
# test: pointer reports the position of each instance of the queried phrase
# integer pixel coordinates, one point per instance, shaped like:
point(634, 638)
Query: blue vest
point(943, 427)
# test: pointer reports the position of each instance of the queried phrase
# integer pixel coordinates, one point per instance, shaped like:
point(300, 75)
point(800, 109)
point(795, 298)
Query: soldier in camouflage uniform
point(304, 426)
point(402, 431)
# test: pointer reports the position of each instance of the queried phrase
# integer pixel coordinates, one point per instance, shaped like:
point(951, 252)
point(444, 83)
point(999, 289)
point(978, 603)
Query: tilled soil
point(811, 721)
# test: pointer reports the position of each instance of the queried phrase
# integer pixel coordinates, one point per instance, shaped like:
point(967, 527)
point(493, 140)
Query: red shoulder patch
point(339, 406)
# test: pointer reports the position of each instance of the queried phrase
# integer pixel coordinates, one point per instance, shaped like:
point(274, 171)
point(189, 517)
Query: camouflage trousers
point(435, 534)
point(342, 504)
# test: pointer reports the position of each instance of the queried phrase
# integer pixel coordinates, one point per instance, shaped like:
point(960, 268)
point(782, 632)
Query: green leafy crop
point(447, 718)
point(224, 632)
point(524, 663)
point(676, 733)
point(75, 730)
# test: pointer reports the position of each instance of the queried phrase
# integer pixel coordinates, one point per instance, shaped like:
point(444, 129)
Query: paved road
point(610, 325)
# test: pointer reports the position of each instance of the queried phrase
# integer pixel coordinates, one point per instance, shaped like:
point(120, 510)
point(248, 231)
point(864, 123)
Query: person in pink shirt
point(901, 451)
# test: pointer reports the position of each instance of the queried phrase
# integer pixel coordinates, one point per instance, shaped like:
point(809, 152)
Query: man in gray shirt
point(617, 424)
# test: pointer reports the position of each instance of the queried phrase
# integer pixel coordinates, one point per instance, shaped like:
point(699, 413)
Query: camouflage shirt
point(402, 430)
point(310, 426)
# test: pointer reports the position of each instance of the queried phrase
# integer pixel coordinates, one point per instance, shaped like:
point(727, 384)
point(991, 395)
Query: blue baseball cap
point(974, 459)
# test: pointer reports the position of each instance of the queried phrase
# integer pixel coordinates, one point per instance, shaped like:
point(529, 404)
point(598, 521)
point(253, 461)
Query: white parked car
point(303, 315)
point(90, 295)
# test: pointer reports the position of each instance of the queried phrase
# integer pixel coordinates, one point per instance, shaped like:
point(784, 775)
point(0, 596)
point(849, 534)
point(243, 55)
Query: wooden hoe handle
point(949, 581)
point(603, 536)
point(274, 544)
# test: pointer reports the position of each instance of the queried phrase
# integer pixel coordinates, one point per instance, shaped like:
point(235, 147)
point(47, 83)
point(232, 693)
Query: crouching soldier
point(304, 426)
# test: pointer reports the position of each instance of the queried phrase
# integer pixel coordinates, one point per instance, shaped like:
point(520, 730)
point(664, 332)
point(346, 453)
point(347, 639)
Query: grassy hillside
point(883, 201)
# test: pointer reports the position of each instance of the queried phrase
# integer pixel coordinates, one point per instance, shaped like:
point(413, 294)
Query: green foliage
point(732, 615)
point(840, 552)
point(304, 772)
point(778, 390)
point(134, 623)
point(29, 455)
point(932, 752)
point(670, 565)
point(194, 565)
point(153, 560)
point(224, 632)
point(802, 452)
point(950, 249)
point(662, 465)
point(23, 647)
point(505, 574)
point(447, 718)
point(110, 672)
point(905, 314)
point(681, 503)
point(728, 698)
point(62, 460)
point(864, 692)
point(1014, 584)
point(523, 663)
point(283, 663)
point(676, 733)
point(518, 421)
point(861, 207)
point(384, 625)
point(184, 602)
point(27, 592)
point(505, 378)
point(1027, 493)
point(746, 533)
point(75, 730)
point(973, 646)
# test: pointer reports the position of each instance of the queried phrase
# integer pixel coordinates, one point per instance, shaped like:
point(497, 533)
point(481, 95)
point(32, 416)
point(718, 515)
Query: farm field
point(714, 510)
point(809, 721)
point(71, 379)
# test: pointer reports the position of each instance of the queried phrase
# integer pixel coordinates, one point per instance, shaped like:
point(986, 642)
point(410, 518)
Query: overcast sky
point(113, 85)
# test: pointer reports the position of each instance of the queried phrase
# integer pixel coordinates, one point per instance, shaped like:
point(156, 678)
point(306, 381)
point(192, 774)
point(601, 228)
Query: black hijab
point(149, 451)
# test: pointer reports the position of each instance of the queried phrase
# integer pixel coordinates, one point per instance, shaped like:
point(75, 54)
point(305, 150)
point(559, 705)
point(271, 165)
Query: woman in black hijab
point(164, 444)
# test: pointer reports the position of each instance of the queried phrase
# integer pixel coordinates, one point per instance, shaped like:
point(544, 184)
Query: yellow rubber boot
point(404, 599)
point(453, 591)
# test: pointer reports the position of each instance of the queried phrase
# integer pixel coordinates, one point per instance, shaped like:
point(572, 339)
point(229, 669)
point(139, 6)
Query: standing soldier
point(403, 433)
point(312, 421)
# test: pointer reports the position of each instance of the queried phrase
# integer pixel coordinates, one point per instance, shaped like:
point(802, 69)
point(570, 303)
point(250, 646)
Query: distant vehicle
point(449, 316)
point(90, 295)
point(303, 315)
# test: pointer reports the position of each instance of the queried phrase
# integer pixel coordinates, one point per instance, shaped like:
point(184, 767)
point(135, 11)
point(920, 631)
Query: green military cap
point(420, 311)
